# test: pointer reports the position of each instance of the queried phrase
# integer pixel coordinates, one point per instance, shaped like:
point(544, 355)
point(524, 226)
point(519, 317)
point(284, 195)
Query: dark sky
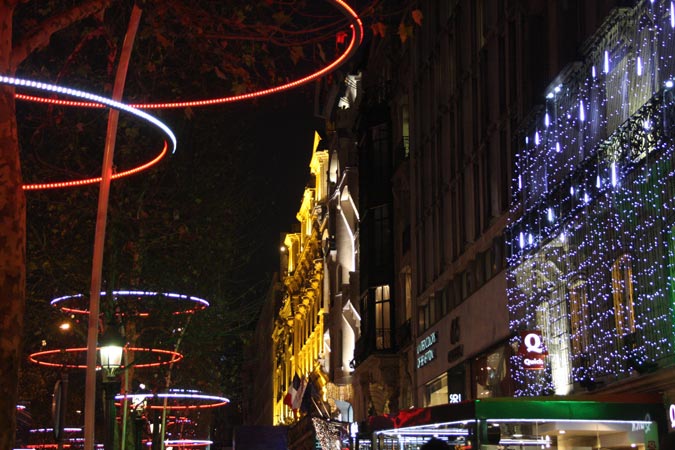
point(286, 133)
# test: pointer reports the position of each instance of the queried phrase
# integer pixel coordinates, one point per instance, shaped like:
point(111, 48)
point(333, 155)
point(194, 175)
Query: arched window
point(622, 293)
point(579, 318)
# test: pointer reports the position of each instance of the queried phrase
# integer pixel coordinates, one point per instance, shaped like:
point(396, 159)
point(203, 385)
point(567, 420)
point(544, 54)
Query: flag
point(292, 391)
point(306, 398)
point(311, 398)
point(299, 393)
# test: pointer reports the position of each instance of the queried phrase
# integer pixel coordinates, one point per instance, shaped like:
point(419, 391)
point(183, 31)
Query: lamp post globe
point(111, 348)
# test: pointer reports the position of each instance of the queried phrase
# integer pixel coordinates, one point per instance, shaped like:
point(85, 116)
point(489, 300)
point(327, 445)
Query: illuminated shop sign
point(454, 398)
point(532, 350)
point(671, 414)
point(425, 354)
point(427, 342)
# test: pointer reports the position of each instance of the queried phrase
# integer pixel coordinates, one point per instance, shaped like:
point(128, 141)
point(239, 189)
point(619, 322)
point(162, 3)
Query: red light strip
point(357, 36)
point(102, 101)
point(85, 181)
point(173, 357)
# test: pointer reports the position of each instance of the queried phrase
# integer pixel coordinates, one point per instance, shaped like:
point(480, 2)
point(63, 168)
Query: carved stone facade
point(298, 333)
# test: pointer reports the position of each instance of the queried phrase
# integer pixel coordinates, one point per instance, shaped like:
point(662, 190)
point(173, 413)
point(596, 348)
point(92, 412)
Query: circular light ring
point(74, 357)
point(187, 442)
point(85, 181)
point(185, 304)
point(54, 445)
point(357, 37)
point(51, 430)
point(176, 422)
point(178, 400)
point(100, 101)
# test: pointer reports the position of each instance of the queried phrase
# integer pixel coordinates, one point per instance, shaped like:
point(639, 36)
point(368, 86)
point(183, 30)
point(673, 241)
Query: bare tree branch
point(46, 29)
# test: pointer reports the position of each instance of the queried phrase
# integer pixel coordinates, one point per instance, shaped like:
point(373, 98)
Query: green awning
point(565, 408)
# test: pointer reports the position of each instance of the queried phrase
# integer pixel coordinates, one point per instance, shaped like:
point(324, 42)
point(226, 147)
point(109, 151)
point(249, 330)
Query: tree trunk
point(12, 243)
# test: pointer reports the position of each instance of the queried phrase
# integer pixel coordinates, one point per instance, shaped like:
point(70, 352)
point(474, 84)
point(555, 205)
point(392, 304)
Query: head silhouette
point(435, 444)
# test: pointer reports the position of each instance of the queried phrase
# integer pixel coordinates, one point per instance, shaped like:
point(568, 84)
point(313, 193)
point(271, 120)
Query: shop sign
point(427, 342)
point(454, 398)
point(646, 425)
point(425, 354)
point(426, 357)
point(532, 350)
point(671, 415)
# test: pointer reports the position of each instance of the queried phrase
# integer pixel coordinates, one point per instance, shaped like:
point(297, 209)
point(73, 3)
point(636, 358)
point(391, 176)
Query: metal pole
point(110, 387)
point(99, 237)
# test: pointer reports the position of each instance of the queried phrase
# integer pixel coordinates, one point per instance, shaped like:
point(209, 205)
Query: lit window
point(622, 293)
point(579, 315)
point(383, 317)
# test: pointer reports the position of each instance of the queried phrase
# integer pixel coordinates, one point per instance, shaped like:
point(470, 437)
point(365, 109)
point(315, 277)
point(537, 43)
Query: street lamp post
point(110, 349)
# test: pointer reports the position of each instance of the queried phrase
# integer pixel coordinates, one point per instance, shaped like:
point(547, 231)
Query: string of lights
point(102, 101)
point(592, 235)
point(356, 28)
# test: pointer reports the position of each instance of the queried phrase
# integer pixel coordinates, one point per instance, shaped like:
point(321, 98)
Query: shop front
point(557, 423)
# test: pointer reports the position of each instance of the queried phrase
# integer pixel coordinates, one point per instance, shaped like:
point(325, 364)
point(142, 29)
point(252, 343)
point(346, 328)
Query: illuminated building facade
point(472, 70)
point(298, 335)
point(592, 239)
point(341, 238)
point(368, 137)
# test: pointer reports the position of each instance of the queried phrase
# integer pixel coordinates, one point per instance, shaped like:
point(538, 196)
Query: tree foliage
point(185, 226)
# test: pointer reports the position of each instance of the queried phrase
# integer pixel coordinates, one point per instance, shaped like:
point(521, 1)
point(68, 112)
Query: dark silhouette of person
point(435, 444)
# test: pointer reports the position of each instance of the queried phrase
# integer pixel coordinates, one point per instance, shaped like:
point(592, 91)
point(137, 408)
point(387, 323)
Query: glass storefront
point(522, 423)
point(436, 392)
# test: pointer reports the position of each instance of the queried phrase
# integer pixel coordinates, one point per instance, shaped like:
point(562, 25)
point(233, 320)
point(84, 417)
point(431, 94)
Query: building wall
point(591, 242)
point(258, 407)
point(477, 70)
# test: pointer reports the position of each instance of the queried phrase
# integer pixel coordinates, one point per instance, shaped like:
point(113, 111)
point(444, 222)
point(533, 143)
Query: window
point(436, 391)
point(407, 292)
point(622, 293)
point(381, 235)
point(579, 315)
point(491, 376)
point(383, 317)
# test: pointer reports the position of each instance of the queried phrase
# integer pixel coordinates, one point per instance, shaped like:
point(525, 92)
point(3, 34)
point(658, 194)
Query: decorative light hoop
point(64, 302)
point(43, 446)
point(175, 421)
point(100, 101)
point(51, 430)
point(45, 357)
point(187, 442)
point(85, 181)
point(192, 399)
point(357, 37)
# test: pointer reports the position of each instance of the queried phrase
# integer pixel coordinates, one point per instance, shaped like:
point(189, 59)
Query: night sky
point(286, 133)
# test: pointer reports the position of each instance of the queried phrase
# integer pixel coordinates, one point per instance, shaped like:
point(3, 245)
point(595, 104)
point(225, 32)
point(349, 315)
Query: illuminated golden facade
point(298, 334)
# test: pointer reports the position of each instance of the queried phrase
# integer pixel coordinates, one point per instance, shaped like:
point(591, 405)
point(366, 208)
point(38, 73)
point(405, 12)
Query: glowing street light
point(110, 349)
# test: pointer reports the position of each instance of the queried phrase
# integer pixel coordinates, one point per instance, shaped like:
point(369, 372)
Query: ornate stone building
point(298, 334)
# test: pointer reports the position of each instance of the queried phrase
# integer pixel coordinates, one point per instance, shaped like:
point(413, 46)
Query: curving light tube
point(356, 28)
point(100, 101)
